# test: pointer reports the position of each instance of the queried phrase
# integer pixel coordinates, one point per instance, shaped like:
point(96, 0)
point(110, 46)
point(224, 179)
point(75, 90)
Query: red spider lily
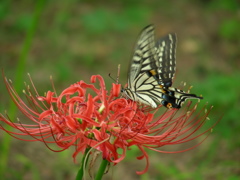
point(101, 121)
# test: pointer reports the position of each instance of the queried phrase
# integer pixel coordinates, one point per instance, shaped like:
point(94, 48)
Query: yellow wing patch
point(153, 72)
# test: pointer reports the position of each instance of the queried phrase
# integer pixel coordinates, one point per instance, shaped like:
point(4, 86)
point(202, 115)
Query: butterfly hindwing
point(166, 59)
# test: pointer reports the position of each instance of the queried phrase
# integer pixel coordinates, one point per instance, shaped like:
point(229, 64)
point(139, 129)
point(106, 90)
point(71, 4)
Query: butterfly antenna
point(118, 74)
point(111, 77)
point(115, 80)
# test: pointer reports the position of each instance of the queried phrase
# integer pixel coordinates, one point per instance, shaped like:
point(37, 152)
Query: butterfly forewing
point(141, 60)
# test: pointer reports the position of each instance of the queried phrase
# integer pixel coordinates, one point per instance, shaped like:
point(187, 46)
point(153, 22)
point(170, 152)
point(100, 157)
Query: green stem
point(101, 169)
point(83, 164)
point(5, 146)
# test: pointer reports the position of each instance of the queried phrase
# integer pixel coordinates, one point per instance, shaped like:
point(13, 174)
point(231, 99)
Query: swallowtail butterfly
point(152, 70)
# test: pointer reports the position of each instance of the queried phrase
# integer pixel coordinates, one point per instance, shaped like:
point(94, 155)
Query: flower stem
point(84, 160)
point(101, 169)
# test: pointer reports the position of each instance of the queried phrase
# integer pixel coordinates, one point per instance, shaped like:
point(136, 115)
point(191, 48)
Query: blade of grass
point(6, 143)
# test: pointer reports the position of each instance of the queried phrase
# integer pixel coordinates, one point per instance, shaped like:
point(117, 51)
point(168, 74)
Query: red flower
point(102, 121)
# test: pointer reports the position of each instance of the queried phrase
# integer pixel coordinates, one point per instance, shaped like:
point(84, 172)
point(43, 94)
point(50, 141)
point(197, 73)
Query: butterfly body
point(151, 72)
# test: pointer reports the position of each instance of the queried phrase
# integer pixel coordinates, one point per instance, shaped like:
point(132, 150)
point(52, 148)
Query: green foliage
point(230, 5)
point(102, 20)
point(229, 29)
point(4, 9)
point(221, 91)
point(28, 166)
point(23, 22)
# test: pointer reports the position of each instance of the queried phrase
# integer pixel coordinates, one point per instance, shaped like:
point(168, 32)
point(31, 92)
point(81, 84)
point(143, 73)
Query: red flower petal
point(102, 121)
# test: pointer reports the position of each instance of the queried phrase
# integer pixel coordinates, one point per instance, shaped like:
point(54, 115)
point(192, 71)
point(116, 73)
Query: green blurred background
point(72, 40)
